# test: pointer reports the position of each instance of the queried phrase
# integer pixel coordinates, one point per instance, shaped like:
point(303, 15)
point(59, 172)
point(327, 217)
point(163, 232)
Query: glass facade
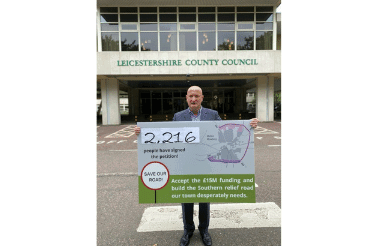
point(153, 102)
point(186, 28)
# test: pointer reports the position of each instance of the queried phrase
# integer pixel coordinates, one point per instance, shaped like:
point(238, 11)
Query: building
point(152, 51)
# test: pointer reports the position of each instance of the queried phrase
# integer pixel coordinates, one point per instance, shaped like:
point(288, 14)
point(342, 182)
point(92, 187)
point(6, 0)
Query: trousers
point(204, 217)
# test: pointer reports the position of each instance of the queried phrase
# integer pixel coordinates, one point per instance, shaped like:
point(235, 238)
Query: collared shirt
point(193, 117)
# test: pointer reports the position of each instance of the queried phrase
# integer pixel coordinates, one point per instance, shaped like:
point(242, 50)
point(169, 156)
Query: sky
point(278, 9)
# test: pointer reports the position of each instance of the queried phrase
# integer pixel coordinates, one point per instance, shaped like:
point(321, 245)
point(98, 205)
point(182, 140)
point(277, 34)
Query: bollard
point(150, 117)
point(240, 116)
point(135, 118)
point(224, 116)
point(166, 117)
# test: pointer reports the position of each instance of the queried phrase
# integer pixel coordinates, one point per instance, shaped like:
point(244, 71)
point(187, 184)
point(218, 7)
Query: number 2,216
point(169, 136)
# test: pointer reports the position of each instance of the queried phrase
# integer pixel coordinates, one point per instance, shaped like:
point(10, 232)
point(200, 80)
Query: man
point(196, 112)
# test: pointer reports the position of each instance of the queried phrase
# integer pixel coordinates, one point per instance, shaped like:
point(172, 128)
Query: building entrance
point(170, 101)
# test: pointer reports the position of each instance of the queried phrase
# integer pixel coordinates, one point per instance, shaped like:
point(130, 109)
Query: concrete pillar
point(133, 101)
point(275, 30)
point(265, 98)
point(110, 91)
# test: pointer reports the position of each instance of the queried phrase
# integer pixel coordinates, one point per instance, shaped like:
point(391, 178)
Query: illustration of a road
point(233, 144)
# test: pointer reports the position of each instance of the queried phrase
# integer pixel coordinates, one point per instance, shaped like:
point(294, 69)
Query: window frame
point(255, 22)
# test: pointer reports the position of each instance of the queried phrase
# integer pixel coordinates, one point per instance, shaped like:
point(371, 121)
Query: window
point(264, 40)
point(226, 36)
point(109, 29)
point(128, 9)
point(226, 14)
point(186, 28)
point(109, 41)
point(245, 14)
point(245, 35)
point(207, 36)
point(187, 14)
point(264, 28)
point(187, 41)
point(206, 14)
point(226, 28)
point(148, 37)
point(168, 36)
point(244, 40)
point(187, 37)
point(129, 37)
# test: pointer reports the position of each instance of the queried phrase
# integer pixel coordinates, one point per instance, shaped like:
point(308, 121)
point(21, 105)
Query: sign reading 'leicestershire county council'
point(188, 62)
point(201, 161)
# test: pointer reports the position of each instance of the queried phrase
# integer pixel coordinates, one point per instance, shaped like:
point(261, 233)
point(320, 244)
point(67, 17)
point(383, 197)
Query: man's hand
point(136, 130)
point(253, 122)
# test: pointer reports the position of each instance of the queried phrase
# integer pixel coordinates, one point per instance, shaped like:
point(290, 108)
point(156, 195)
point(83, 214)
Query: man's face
point(194, 99)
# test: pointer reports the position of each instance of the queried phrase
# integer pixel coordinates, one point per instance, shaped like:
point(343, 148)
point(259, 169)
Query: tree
point(109, 44)
point(129, 47)
point(226, 46)
point(248, 44)
point(264, 41)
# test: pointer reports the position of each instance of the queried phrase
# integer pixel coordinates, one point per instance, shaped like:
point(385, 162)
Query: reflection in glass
point(168, 27)
point(226, 26)
point(129, 41)
point(168, 41)
point(187, 9)
point(225, 17)
point(148, 18)
point(108, 9)
point(167, 9)
point(207, 27)
point(226, 40)
point(128, 18)
point(187, 26)
point(148, 9)
point(207, 41)
point(110, 41)
point(264, 40)
point(187, 41)
point(109, 18)
point(245, 9)
point(264, 9)
point(206, 9)
point(125, 27)
point(264, 17)
point(264, 26)
point(168, 18)
point(244, 40)
point(206, 17)
point(225, 9)
point(245, 17)
point(128, 9)
point(245, 26)
point(148, 27)
point(187, 17)
point(109, 27)
point(149, 41)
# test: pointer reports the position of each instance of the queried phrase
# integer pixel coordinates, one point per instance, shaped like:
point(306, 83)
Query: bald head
point(195, 88)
